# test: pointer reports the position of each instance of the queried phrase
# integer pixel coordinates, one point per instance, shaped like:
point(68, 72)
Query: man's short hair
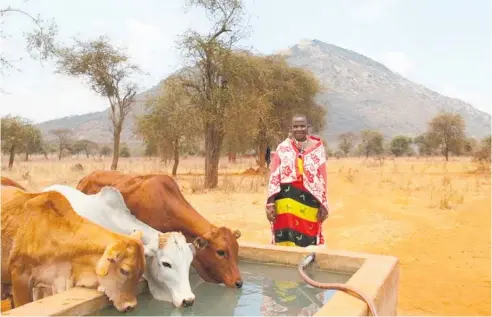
point(301, 115)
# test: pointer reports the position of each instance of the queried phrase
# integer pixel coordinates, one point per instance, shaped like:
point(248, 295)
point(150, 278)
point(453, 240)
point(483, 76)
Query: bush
point(124, 151)
point(482, 154)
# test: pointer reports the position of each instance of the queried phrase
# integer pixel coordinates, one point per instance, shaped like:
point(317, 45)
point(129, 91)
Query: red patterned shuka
point(298, 183)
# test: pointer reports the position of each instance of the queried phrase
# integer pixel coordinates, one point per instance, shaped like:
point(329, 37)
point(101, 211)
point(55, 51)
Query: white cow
point(168, 255)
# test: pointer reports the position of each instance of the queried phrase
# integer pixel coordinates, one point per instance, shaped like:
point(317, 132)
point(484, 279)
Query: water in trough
point(268, 290)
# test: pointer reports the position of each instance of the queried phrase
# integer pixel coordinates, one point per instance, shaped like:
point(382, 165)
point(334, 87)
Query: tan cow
point(46, 244)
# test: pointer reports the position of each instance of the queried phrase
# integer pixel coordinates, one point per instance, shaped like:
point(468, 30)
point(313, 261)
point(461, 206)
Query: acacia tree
point(47, 148)
point(172, 119)
point(87, 146)
point(346, 142)
point(107, 70)
point(19, 135)
point(13, 134)
point(469, 146)
point(400, 145)
point(265, 92)
point(425, 144)
point(31, 141)
point(483, 152)
point(283, 91)
point(104, 151)
point(63, 140)
point(372, 142)
point(447, 130)
point(205, 78)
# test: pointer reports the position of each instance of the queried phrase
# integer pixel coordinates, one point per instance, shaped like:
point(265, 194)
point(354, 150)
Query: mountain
point(365, 94)
point(361, 94)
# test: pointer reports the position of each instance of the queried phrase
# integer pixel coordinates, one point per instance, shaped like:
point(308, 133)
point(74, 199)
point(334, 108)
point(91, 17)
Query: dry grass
point(434, 216)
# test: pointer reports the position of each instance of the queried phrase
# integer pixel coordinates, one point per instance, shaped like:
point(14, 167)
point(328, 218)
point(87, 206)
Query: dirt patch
point(252, 171)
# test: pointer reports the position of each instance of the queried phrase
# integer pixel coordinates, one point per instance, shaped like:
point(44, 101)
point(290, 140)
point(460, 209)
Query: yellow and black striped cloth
point(296, 222)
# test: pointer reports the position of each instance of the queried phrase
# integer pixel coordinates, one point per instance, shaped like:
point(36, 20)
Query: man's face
point(299, 128)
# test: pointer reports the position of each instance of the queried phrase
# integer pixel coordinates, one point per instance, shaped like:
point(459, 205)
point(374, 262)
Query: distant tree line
point(445, 136)
point(20, 137)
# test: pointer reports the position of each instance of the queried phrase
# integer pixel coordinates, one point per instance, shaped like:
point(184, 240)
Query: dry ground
point(434, 216)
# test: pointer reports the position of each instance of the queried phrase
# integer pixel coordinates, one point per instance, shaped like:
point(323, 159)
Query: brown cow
point(156, 200)
point(8, 182)
point(46, 244)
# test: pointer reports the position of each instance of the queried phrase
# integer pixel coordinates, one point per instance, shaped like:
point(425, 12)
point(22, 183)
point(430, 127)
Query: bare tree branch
point(40, 42)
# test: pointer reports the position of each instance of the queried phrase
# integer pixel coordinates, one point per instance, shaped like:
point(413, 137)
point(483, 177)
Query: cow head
point(119, 270)
point(170, 266)
point(217, 262)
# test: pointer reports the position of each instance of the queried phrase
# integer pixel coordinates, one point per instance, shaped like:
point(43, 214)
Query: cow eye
point(166, 264)
point(124, 272)
point(220, 252)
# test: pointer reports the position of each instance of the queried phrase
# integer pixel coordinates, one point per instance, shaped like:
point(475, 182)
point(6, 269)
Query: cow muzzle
point(239, 283)
point(188, 302)
point(184, 301)
point(126, 306)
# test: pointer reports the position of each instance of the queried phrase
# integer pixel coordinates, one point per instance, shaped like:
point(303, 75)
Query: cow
point(46, 244)
point(168, 255)
point(156, 200)
point(8, 182)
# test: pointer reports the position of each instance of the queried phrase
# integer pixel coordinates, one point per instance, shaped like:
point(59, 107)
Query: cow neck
point(180, 215)
point(127, 223)
point(89, 237)
point(191, 222)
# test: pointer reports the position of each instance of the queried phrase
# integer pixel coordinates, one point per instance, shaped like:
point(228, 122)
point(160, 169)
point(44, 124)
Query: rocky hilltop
point(365, 94)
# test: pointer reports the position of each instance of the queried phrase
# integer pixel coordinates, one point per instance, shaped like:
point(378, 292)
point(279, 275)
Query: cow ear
point(109, 256)
point(200, 243)
point(137, 235)
point(236, 234)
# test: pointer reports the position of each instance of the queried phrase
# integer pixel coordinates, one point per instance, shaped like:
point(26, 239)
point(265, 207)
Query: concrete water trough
point(374, 275)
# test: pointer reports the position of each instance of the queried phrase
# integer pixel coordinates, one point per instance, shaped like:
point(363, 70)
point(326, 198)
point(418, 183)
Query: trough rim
point(375, 275)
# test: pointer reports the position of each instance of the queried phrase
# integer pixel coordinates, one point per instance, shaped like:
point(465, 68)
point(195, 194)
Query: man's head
point(299, 127)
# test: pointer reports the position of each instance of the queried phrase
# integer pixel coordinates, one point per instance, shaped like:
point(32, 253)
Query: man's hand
point(322, 214)
point(270, 212)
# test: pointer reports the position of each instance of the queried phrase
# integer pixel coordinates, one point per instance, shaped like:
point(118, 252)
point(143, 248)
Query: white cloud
point(398, 62)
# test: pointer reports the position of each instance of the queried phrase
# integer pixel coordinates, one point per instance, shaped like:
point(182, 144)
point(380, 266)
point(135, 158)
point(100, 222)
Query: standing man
point(297, 204)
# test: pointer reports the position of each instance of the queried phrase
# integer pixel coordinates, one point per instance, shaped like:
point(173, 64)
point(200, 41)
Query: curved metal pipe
point(334, 286)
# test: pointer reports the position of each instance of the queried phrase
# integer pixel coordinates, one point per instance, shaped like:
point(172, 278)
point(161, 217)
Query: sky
point(444, 45)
